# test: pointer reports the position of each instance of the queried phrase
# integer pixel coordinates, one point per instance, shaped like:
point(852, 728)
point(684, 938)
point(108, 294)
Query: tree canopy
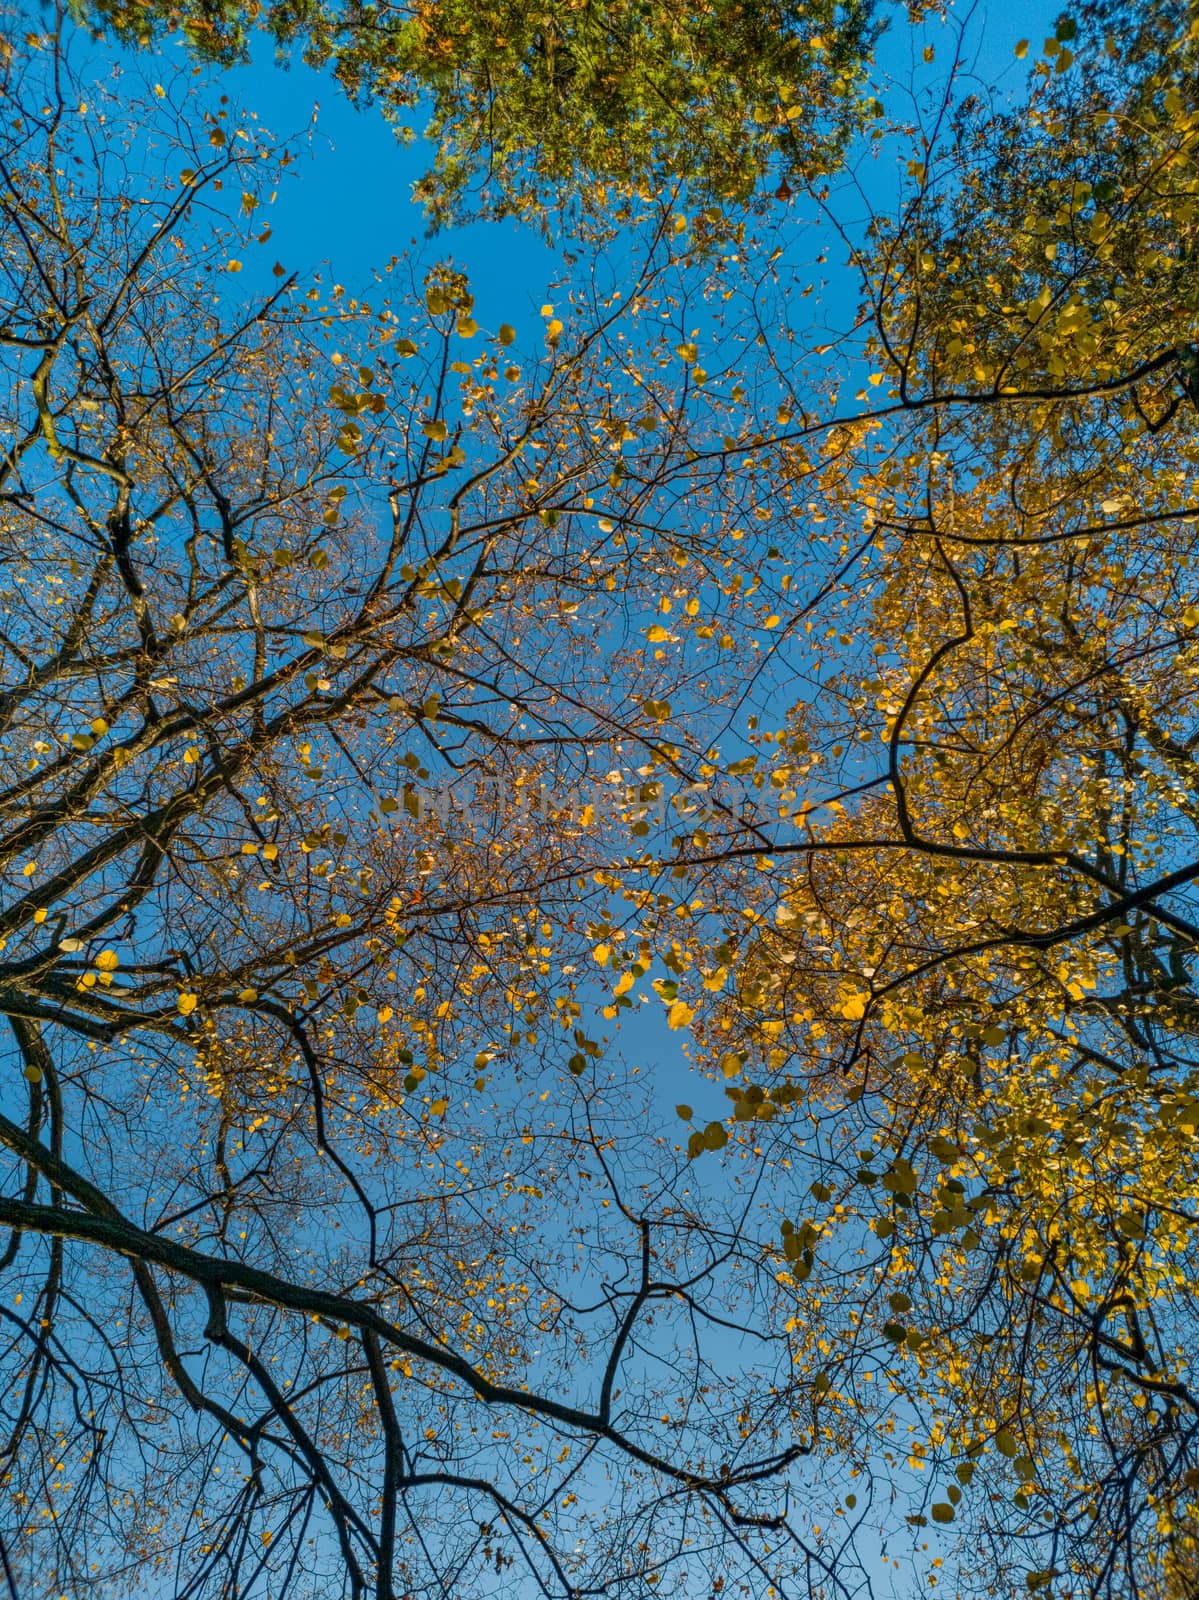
point(528, 105)
point(413, 727)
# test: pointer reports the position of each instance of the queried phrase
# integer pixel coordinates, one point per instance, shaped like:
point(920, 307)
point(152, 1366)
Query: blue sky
point(347, 210)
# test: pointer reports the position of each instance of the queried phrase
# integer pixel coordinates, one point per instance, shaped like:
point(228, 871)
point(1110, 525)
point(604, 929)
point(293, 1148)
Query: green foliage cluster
point(528, 103)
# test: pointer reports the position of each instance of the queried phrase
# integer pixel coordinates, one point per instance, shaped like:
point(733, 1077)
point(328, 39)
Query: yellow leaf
point(439, 1108)
point(680, 1014)
point(507, 334)
point(602, 954)
point(436, 430)
point(624, 983)
point(108, 961)
point(187, 1003)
